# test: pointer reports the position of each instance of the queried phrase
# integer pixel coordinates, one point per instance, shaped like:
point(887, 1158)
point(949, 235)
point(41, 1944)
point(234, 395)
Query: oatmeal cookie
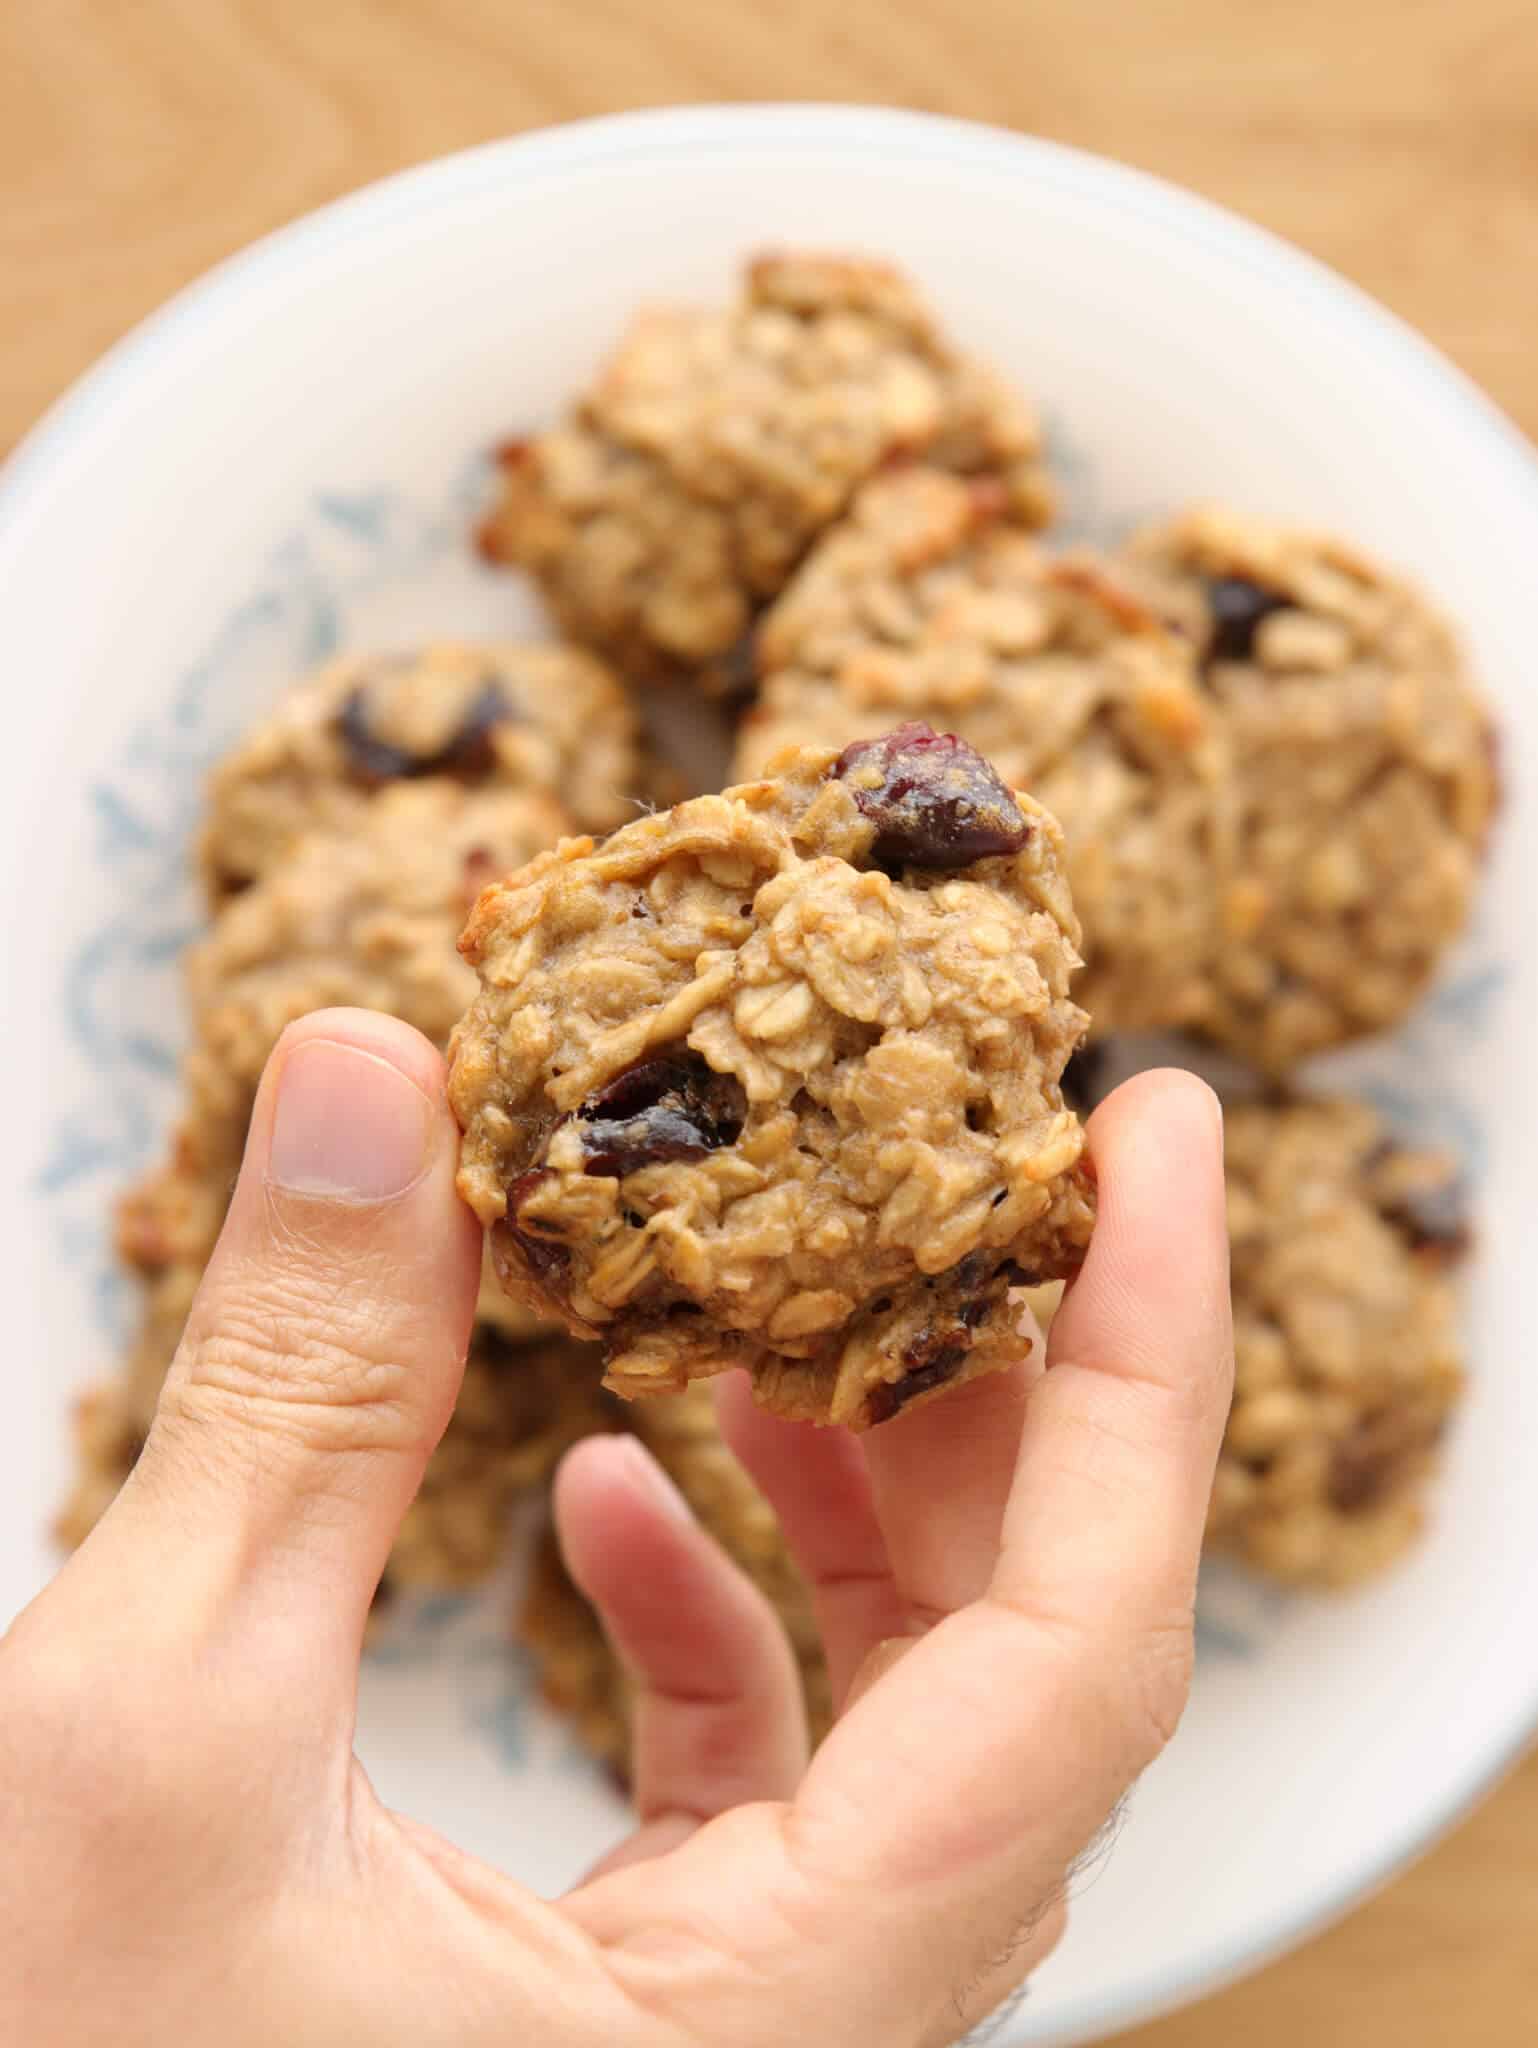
point(717, 443)
point(1365, 772)
point(772, 1080)
point(551, 720)
point(174, 1212)
point(928, 603)
point(1345, 1339)
point(364, 915)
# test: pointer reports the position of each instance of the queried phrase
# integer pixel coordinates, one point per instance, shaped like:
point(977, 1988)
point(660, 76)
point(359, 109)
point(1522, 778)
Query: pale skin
point(1004, 1579)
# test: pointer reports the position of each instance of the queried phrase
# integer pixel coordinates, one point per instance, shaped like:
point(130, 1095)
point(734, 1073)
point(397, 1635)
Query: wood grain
point(1397, 139)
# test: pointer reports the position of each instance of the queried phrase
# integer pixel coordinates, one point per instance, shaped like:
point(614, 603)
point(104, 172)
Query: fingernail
point(347, 1124)
point(655, 1481)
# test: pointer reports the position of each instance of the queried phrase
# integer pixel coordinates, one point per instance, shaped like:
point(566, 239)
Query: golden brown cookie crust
point(365, 916)
point(733, 1094)
point(1348, 1363)
point(717, 443)
point(547, 720)
point(1364, 770)
point(928, 602)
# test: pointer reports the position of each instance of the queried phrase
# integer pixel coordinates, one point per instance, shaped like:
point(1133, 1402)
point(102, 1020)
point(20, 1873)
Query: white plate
point(285, 458)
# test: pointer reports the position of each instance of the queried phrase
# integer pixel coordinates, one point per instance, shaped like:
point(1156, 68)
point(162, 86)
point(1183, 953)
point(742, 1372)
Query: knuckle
point(308, 1363)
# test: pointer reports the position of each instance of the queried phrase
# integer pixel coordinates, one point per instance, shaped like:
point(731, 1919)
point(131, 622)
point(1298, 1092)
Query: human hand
point(1004, 1579)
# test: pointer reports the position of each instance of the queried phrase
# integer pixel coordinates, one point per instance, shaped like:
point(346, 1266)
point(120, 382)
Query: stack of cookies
point(813, 518)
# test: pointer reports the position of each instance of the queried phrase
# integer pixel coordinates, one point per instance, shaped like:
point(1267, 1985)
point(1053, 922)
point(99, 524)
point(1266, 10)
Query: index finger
point(1001, 1741)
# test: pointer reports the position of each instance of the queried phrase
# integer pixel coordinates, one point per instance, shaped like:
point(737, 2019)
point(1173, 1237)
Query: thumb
point(325, 1347)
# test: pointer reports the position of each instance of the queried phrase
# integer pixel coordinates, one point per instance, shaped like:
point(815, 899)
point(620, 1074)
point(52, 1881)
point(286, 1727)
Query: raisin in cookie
point(1365, 774)
point(771, 1079)
point(1345, 1339)
point(928, 603)
point(717, 443)
point(366, 915)
point(546, 719)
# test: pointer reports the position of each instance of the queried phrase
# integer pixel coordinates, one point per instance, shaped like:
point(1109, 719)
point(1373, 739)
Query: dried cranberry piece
point(1370, 1460)
point(1016, 1275)
point(934, 801)
point(967, 1292)
point(1434, 1219)
point(929, 1365)
point(675, 1106)
point(1431, 1215)
point(1356, 1479)
point(467, 753)
point(939, 1365)
point(547, 1257)
point(1237, 606)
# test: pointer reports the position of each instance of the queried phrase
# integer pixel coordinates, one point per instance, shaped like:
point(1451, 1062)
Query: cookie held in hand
point(772, 1080)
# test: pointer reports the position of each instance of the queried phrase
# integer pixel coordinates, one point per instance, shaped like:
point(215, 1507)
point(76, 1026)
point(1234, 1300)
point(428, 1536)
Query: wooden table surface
point(141, 140)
